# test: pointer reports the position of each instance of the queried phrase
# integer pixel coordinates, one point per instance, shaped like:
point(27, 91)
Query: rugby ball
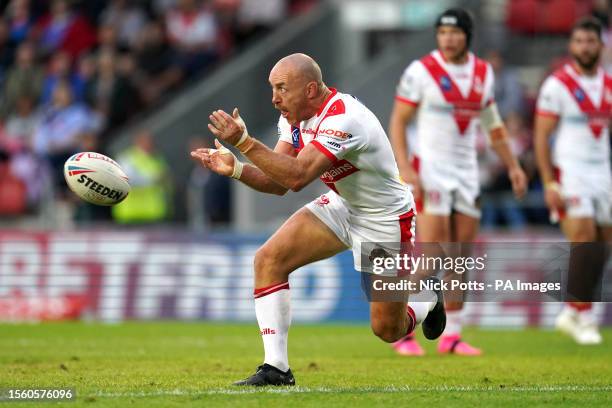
point(96, 178)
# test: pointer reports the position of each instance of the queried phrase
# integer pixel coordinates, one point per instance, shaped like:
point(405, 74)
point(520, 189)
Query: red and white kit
point(367, 201)
point(451, 99)
point(581, 152)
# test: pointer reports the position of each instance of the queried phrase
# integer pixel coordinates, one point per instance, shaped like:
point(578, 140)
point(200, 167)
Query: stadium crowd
point(72, 71)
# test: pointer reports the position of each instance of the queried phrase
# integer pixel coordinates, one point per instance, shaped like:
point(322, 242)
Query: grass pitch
point(192, 364)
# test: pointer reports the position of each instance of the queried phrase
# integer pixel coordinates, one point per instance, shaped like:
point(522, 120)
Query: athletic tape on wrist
point(238, 165)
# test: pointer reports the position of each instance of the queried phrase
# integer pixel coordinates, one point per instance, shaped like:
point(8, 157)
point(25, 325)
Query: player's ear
point(311, 89)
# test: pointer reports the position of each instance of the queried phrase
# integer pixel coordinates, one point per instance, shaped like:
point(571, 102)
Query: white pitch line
point(340, 390)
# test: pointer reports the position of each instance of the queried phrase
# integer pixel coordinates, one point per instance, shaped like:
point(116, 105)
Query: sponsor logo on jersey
point(295, 137)
point(579, 95)
point(100, 188)
point(341, 170)
point(445, 83)
point(338, 134)
point(333, 145)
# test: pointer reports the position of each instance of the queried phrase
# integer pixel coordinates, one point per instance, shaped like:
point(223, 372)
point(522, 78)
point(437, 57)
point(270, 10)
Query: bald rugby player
point(332, 136)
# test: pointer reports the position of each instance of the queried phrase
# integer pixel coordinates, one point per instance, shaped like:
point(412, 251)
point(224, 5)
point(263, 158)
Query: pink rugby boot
point(452, 344)
point(408, 346)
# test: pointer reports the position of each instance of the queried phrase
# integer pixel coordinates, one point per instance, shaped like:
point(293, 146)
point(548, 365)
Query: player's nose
point(275, 98)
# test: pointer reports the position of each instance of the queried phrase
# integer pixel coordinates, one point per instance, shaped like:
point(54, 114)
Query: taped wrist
point(238, 165)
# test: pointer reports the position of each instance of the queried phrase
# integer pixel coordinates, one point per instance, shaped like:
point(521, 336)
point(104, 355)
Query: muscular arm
point(499, 143)
point(293, 173)
point(401, 116)
point(258, 180)
point(544, 126)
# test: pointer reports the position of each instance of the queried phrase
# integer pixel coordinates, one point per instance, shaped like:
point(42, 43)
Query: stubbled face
point(585, 47)
point(452, 41)
point(289, 94)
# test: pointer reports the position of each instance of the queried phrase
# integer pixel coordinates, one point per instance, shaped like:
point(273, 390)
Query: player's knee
point(270, 264)
point(265, 259)
point(387, 331)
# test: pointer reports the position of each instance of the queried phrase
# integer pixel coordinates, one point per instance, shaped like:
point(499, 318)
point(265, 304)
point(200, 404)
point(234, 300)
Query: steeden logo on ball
point(96, 178)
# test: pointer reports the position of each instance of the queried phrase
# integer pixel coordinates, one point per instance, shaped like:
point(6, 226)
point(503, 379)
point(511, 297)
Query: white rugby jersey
point(583, 105)
point(364, 171)
point(450, 98)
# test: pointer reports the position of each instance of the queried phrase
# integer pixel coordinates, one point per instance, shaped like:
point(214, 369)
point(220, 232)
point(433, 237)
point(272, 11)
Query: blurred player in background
point(332, 136)
point(575, 103)
point(450, 92)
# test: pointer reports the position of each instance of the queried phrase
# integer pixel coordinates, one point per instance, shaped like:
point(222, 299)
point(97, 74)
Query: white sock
point(422, 303)
point(587, 317)
point(273, 310)
point(454, 322)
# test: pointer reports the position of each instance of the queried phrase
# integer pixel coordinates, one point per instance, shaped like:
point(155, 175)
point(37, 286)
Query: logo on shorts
point(322, 200)
point(267, 331)
point(572, 201)
point(434, 197)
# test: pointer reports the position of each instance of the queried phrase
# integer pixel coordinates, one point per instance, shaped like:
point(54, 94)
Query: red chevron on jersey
point(598, 117)
point(464, 108)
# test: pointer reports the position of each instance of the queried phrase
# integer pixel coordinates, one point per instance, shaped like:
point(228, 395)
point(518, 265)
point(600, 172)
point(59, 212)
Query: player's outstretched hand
point(519, 181)
point(220, 160)
point(230, 129)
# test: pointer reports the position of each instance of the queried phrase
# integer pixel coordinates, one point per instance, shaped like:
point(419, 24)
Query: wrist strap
point(552, 185)
point(243, 138)
point(247, 145)
point(238, 166)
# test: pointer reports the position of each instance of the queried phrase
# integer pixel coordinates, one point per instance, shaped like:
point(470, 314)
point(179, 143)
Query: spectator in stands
point(162, 7)
point(126, 18)
point(109, 93)
point(196, 185)
point(107, 39)
point(149, 199)
point(62, 127)
point(208, 194)
point(13, 195)
point(194, 34)
point(157, 70)
point(258, 17)
point(86, 68)
point(60, 70)
point(498, 205)
point(16, 141)
point(24, 78)
point(508, 89)
point(20, 20)
point(6, 51)
point(16, 134)
point(64, 29)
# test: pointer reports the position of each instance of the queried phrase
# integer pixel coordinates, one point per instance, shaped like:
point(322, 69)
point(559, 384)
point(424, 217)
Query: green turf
point(183, 364)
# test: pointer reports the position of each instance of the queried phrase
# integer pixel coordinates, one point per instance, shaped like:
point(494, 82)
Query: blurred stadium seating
point(91, 74)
